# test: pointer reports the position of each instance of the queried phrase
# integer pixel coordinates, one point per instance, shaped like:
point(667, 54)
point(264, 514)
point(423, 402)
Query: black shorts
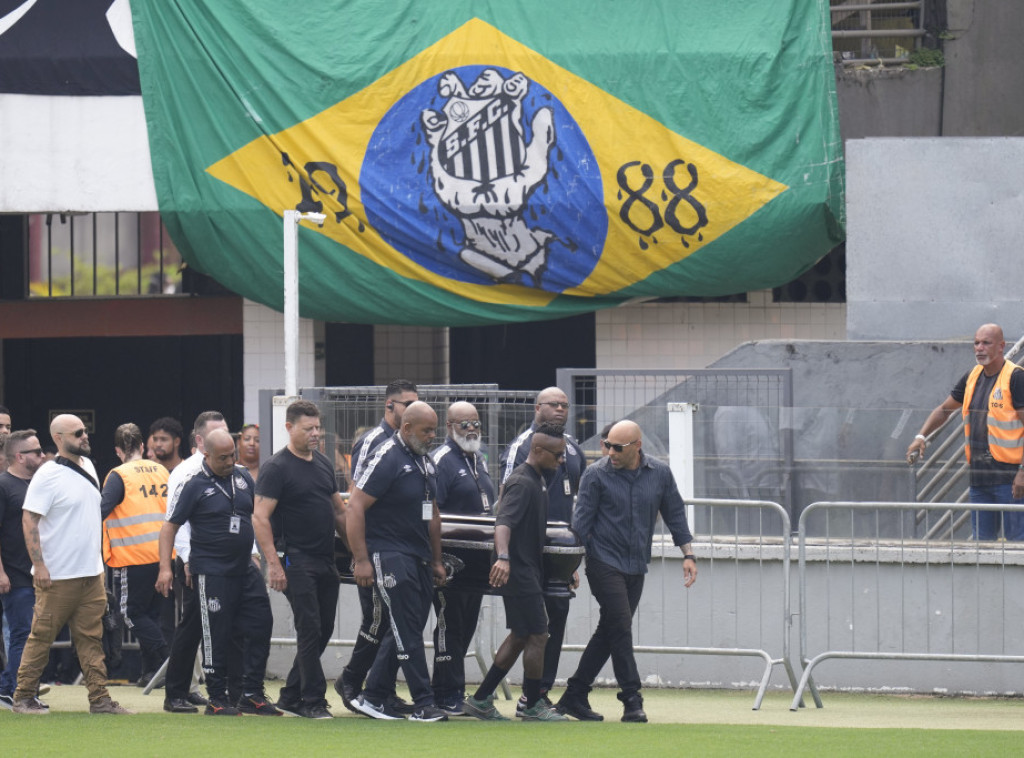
point(525, 614)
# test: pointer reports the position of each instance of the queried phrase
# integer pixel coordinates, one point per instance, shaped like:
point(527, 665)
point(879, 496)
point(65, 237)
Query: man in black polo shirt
point(232, 597)
point(398, 395)
point(520, 528)
point(298, 511)
point(394, 532)
point(464, 488)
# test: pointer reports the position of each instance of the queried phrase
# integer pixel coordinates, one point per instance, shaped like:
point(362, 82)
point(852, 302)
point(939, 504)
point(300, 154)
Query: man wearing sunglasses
point(398, 395)
point(551, 408)
point(464, 488)
point(621, 497)
point(24, 457)
point(63, 537)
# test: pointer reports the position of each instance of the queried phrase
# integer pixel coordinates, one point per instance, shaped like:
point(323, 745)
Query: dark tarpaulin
point(62, 47)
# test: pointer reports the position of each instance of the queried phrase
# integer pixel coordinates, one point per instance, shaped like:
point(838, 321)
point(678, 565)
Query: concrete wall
point(897, 102)
point(984, 77)
point(935, 237)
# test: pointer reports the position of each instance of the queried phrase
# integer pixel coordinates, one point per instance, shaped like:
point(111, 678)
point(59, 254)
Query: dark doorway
point(522, 356)
point(121, 379)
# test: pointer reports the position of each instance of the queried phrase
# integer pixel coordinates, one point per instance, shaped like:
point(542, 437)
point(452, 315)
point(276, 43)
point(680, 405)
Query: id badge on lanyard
point(235, 525)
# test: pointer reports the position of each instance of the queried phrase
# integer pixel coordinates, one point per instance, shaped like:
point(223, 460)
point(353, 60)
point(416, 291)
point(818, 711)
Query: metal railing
point(740, 606)
point(906, 599)
point(883, 31)
point(738, 620)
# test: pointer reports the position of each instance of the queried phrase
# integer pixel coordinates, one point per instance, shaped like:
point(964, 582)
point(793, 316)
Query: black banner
point(67, 47)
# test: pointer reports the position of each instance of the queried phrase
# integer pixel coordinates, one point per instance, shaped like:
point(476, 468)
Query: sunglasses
point(618, 448)
point(467, 424)
point(563, 406)
point(34, 451)
point(78, 434)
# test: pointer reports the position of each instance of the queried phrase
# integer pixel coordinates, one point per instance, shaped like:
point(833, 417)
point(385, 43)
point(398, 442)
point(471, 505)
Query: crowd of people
point(196, 544)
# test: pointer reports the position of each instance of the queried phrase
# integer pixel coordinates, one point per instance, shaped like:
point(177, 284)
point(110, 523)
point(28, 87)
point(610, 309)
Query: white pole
point(681, 451)
point(291, 320)
point(291, 296)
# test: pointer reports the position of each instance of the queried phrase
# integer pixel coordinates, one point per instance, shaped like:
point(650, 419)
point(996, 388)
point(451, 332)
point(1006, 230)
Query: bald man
point(464, 488)
point(621, 497)
point(990, 398)
point(63, 536)
point(232, 597)
point(394, 532)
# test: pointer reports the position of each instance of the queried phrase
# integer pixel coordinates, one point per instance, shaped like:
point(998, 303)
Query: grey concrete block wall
point(935, 237)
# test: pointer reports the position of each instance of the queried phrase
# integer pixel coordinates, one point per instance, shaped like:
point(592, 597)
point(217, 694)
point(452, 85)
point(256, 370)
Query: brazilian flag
point(483, 161)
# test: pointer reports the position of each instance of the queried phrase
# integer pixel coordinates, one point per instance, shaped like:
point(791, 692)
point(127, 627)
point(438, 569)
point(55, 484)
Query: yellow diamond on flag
point(661, 197)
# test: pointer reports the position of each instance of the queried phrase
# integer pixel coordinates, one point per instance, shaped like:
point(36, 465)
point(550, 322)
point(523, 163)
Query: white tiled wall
point(694, 335)
point(417, 353)
point(655, 335)
point(263, 355)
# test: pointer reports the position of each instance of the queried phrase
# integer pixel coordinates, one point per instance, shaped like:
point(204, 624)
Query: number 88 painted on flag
point(670, 215)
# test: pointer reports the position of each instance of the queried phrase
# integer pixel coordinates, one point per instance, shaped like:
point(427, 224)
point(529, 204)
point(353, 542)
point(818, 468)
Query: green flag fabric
point(483, 161)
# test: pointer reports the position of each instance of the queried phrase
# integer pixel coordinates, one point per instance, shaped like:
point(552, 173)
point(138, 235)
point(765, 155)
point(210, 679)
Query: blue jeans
point(18, 605)
point(985, 524)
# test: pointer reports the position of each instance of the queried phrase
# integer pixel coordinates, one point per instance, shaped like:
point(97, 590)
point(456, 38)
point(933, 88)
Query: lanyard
point(420, 465)
point(223, 491)
point(485, 500)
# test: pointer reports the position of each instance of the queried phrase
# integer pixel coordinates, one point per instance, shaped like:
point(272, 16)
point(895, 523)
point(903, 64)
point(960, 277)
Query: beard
point(82, 448)
point(419, 447)
point(467, 445)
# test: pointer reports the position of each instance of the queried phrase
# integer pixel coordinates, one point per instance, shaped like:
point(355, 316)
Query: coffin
point(467, 543)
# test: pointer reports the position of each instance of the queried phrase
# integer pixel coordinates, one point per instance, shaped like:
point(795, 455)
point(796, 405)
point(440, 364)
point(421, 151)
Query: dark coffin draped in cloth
point(470, 540)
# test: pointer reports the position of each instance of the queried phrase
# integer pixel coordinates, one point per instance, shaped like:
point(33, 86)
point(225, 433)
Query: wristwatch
point(691, 557)
point(502, 557)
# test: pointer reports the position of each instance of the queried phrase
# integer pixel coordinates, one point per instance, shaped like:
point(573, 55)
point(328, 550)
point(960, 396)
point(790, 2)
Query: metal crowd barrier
point(907, 598)
point(740, 605)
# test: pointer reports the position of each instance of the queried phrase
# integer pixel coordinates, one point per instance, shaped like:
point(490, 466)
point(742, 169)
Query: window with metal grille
point(101, 255)
point(882, 31)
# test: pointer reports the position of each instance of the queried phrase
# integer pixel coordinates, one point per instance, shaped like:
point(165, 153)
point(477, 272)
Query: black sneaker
point(348, 692)
point(317, 711)
point(196, 699)
point(428, 713)
point(221, 708)
point(633, 708)
point(257, 704)
point(291, 707)
point(401, 706)
point(452, 708)
point(179, 705)
point(384, 711)
point(578, 707)
point(7, 701)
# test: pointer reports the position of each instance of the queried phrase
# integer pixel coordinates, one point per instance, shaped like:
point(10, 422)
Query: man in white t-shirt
point(63, 533)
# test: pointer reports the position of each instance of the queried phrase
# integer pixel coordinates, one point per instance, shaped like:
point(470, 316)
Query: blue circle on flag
point(457, 183)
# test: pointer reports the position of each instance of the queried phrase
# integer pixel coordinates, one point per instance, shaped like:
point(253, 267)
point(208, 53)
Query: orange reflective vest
point(1005, 430)
point(132, 530)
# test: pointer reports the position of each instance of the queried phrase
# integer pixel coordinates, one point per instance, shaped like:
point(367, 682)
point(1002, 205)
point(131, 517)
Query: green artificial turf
point(79, 734)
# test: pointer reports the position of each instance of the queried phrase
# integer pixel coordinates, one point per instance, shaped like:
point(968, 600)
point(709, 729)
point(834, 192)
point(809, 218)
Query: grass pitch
point(707, 723)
